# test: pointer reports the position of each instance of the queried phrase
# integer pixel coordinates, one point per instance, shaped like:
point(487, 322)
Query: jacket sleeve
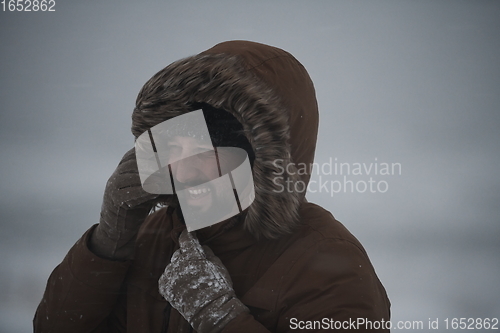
point(82, 293)
point(245, 323)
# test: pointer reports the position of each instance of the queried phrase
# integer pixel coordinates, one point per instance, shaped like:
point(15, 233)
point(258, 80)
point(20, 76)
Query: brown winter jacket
point(292, 264)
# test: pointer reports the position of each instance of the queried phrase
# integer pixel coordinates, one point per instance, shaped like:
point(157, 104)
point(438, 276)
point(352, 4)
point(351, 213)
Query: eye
point(174, 148)
point(205, 155)
point(202, 150)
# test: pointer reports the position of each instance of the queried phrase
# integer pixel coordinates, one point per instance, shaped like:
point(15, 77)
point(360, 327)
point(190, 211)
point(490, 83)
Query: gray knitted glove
point(197, 284)
point(125, 206)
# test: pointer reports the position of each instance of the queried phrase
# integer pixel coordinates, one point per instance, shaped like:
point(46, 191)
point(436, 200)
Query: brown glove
point(125, 206)
point(197, 284)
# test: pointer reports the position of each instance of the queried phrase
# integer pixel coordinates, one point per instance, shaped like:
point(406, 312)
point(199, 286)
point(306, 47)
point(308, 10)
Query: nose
point(185, 170)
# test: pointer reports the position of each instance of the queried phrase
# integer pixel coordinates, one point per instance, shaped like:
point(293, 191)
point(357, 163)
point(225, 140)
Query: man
point(281, 264)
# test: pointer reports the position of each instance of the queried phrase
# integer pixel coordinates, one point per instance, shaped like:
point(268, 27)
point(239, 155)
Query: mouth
point(198, 192)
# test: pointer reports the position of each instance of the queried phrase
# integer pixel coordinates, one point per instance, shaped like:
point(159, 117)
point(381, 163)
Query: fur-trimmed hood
point(272, 95)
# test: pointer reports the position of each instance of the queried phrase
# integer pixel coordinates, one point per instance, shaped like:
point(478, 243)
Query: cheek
point(209, 169)
point(228, 162)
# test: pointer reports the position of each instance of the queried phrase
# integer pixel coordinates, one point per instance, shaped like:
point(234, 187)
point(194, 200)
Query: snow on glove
point(125, 206)
point(197, 284)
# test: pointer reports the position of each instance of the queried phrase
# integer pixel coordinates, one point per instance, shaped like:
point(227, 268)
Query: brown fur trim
point(223, 82)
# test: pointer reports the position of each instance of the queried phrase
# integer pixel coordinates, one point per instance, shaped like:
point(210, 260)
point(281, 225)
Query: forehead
point(187, 141)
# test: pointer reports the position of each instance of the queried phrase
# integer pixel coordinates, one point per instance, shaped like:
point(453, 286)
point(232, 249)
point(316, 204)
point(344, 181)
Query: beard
point(207, 204)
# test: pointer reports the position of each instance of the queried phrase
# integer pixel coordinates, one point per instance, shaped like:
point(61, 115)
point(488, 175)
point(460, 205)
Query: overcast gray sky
point(409, 82)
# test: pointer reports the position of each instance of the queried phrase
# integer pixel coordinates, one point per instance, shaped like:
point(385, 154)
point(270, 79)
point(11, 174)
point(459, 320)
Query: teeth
point(198, 191)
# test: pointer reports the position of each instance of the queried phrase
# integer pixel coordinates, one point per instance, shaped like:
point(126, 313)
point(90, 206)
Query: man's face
point(177, 157)
point(195, 167)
